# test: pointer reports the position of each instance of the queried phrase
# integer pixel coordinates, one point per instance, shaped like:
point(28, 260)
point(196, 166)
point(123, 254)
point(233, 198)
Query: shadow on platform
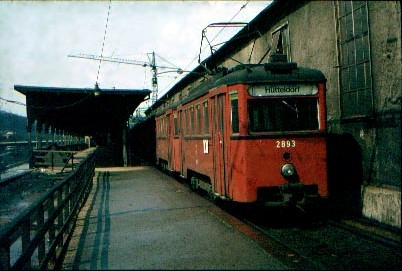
point(90, 243)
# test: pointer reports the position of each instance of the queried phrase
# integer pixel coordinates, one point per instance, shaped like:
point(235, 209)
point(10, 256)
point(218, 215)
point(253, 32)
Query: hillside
point(14, 123)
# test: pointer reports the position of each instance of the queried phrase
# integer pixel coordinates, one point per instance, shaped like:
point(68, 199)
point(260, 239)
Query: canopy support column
point(39, 128)
point(124, 135)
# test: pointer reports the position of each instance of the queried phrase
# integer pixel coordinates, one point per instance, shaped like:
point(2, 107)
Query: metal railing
point(38, 238)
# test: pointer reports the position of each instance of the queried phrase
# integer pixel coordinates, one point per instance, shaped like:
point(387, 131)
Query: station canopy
point(81, 111)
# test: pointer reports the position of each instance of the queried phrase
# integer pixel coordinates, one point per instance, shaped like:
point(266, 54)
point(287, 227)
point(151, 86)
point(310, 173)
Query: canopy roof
point(82, 111)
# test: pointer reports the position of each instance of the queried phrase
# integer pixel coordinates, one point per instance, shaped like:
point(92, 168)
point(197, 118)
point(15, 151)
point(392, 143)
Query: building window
point(280, 41)
point(355, 62)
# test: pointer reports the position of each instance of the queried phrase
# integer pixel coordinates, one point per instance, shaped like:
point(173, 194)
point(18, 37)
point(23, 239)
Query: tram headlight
point(288, 170)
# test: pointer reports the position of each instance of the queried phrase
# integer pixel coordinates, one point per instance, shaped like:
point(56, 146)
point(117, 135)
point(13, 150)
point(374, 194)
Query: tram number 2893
point(285, 144)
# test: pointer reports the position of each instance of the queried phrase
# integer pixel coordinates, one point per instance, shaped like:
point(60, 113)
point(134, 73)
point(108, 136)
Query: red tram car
point(252, 134)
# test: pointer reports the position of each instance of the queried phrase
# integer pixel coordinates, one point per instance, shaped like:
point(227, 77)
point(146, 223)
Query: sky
point(36, 38)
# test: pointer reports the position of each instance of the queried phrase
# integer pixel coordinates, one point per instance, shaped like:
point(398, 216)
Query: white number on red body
point(285, 144)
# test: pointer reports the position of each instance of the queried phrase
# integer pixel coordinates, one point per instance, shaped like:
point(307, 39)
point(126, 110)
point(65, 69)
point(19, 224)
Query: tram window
point(186, 120)
point(283, 115)
point(198, 107)
point(176, 126)
point(192, 121)
point(165, 130)
point(164, 126)
point(161, 127)
point(235, 112)
point(206, 118)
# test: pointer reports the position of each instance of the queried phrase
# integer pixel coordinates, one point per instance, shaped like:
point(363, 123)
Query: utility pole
point(154, 97)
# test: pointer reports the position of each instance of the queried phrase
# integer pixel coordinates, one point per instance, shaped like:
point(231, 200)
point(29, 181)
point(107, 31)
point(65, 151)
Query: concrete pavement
point(139, 218)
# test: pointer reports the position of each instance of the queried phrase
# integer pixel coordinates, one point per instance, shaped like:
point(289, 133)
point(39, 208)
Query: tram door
point(219, 144)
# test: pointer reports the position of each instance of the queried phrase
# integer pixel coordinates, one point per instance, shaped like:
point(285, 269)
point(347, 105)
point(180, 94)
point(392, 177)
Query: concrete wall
point(383, 205)
point(382, 201)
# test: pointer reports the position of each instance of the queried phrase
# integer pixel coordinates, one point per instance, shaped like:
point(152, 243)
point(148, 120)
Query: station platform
point(140, 218)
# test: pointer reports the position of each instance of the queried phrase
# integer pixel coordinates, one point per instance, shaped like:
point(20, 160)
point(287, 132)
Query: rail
point(6, 181)
point(38, 238)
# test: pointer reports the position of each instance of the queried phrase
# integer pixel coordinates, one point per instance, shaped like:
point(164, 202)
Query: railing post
point(65, 201)
point(52, 156)
point(50, 211)
point(66, 209)
point(60, 217)
point(25, 239)
point(5, 256)
point(41, 245)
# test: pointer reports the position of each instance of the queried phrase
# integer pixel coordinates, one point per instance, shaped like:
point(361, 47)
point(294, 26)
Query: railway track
point(313, 244)
point(10, 177)
point(325, 244)
point(19, 191)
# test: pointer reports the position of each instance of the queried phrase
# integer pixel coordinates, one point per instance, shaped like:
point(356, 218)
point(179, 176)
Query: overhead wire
point(223, 28)
point(63, 106)
point(201, 51)
point(97, 76)
point(47, 107)
point(167, 61)
point(104, 39)
point(11, 101)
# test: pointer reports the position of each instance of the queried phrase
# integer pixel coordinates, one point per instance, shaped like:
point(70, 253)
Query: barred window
point(355, 60)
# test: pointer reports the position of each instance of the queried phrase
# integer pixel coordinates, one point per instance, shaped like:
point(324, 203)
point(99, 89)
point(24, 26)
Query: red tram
point(252, 134)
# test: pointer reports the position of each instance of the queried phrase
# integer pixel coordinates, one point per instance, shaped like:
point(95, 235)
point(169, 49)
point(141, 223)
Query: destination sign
point(283, 90)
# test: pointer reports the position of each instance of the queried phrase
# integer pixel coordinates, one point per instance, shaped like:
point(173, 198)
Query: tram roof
point(260, 74)
point(83, 111)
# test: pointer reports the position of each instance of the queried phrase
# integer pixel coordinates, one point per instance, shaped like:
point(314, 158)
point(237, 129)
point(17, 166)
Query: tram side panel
point(196, 152)
point(162, 143)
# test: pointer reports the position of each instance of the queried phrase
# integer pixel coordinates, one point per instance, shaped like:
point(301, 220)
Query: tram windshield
point(286, 114)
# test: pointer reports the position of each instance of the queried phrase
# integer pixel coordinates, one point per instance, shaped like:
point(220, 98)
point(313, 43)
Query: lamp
point(97, 90)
